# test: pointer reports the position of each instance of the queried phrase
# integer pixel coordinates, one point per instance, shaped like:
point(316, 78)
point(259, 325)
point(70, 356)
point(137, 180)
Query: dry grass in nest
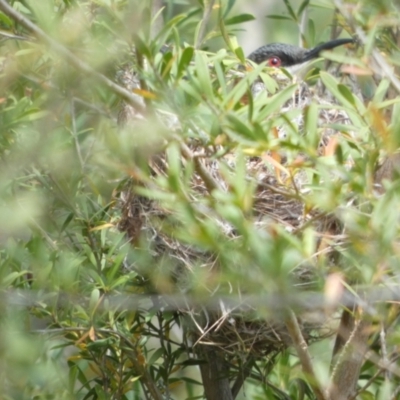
point(278, 197)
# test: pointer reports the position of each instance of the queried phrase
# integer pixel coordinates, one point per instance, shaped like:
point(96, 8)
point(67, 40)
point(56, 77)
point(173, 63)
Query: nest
point(278, 198)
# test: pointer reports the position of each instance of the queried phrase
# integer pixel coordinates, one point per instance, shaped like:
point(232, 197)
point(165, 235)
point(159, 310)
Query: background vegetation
point(88, 311)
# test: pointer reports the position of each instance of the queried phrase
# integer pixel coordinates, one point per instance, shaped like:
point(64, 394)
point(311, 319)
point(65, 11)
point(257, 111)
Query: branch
point(215, 374)
point(156, 8)
point(71, 58)
point(243, 373)
point(8, 35)
point(206, 17)
point(209, 181)
point(347, 369)
point(301, 347)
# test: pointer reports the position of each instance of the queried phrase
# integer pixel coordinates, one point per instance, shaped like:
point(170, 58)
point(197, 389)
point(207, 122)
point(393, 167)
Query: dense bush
point(165, 232)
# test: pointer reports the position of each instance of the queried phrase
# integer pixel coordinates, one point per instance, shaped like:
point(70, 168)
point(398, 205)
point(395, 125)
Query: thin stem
point(383, 68)
point(156, 7)
point(206, 17)
point(74, 135)
point(209, 181)
point(243, 373)
point(373, 378)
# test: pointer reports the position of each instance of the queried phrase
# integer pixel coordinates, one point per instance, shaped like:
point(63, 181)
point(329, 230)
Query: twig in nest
point(210, 183)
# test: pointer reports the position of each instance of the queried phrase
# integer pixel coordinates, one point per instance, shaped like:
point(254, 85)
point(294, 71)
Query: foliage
point(86, 312)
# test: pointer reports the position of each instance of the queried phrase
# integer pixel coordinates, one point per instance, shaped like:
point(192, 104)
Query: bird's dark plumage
point(287, 55)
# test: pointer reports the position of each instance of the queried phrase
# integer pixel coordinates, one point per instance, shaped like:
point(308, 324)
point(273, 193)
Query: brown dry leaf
point(220, 139)
point(334, 288)
point(354, 70)
point(140, 357)
point(298, 162)
point(378, 122)
point(82, 338)
point(275, 160)
point(145, 94)
point(92, 333)
point(101, 227)
point(330, 148)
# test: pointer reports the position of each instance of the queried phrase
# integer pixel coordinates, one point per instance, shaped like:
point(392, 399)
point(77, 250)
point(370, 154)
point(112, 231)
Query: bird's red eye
point(274, 62)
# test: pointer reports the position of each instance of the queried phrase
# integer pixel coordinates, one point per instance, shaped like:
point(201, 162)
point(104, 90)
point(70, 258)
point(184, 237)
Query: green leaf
point(76, 372)
point(302, 7)
point(10, 278)
point(72, 377)
point(351, 106)
point(142, 46)
point(342, 58)
point(167, 28)
point(229, 6)
point(276, 102)
point(25, 52)
point(191, 90)
point(155, 356)
point(94, 299)
point(225, 35)
point(21, 7)
point(174, 163)
point(311, 124)
point(311, 31)
point(240, 55)
point(345, 91)
point(67, 221)
point(102, 343)
point(185, 60)
point(270, 83)
point(240, 127)
point(192, 361)
point(290, 10)
point(7, 21)
point(381, 91)
point(221, 76)
point(238, 19)
point(279, 17)
point(203, 74)
point(166, 65)
point(241, 88)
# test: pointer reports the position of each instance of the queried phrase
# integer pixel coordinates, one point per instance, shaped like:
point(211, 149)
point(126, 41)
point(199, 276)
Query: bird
point(287, 55)
point(293, 58)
